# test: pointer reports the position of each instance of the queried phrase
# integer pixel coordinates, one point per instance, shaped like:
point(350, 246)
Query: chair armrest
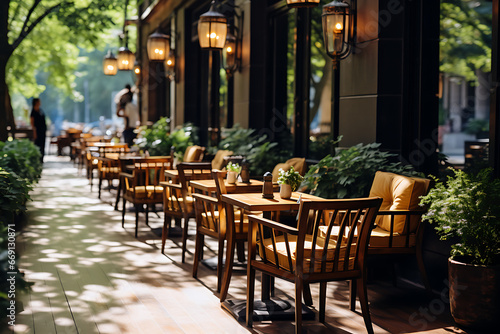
point(171, 185)
point(400, 212)
point(274, 225)
point(205, 198)
point(127, 175)
point(200, 165)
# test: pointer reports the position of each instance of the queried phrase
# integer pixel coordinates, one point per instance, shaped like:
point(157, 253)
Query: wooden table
point(253, 202)
point(209, 187)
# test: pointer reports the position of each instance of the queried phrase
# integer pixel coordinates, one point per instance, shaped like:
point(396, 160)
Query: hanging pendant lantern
point(158, 46)
point(137, 68)
point(336, 28)
point(110, 64)
point(126, 59)
point(230, 52)
point(212, 29)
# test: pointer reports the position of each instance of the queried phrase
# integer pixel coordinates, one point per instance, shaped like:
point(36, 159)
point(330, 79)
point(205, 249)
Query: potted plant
point(289, 181)
point(232, 172)
point(466, 209)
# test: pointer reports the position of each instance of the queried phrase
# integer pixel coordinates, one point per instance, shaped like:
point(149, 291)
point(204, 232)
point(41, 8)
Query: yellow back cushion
point(299, 164)
point(192, 153)
point(276, 170)
point(218, 161)
point(398, 193)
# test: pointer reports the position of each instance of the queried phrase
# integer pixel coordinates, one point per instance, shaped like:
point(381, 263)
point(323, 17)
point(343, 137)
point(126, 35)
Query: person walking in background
point(128, 110)
point(39, 126)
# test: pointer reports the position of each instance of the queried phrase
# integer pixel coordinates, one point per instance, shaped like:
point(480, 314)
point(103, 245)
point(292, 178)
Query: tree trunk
point(5, 53)
point(6, 115)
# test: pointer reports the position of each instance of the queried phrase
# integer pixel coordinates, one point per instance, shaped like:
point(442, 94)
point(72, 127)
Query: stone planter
point(474, 294)
point(285, 191)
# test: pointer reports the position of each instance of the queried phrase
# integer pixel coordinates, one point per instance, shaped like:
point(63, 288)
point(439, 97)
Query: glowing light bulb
point(229, 49)
point(169, 62)
point(213, 35)
point(110, 67)
point(338, 28)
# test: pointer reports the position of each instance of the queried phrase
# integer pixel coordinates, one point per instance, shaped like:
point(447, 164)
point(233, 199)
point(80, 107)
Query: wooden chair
point(142, 187)
point(398, 230)
point(108, 166)
point(178, 202)
point(94, 150)
point(211, 221)
point(301, 256)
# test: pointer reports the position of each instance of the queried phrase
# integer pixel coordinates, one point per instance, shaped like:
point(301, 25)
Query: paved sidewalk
point(92, 276)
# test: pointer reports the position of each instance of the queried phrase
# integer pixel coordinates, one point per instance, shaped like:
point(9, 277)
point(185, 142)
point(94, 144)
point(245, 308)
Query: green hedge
point(20, 168)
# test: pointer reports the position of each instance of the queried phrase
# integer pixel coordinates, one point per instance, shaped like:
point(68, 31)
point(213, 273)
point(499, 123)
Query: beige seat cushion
point(378, 238)
point(218, 161)
point(292, 241)
point(111, 170)
point(176, 203)
point(146, 192)
point(398, 193)
point(208, 221)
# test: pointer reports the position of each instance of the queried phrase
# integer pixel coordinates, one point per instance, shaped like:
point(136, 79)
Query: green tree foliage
point(43, 35)
point(465, 44)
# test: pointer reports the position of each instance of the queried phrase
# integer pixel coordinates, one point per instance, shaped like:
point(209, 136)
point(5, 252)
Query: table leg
point(231, 243)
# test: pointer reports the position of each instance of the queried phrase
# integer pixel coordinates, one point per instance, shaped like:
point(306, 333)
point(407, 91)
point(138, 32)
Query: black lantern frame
point(302, 3)
point(212, 29)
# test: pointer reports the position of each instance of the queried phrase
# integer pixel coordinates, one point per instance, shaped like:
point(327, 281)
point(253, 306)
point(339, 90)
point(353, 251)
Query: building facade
point(283, 86)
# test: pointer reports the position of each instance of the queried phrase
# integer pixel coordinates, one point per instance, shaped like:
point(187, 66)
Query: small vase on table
point(285, 191)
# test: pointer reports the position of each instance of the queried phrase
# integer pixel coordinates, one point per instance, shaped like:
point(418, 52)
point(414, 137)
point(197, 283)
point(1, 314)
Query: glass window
point(464, 86)
point(320, 91)
point(281, 74)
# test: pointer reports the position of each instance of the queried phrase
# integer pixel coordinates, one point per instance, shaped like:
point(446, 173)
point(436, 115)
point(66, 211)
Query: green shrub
point(14, 193)
point(262, 154)
point(350, 173)
point(158, 140)
point(467, 207)
point(21, 157)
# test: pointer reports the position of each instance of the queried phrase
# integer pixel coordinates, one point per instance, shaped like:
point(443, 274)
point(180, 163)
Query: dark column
point(258, 115)
point(419, 112)
point(495, 94)
point(230, 101)
point(302, 83)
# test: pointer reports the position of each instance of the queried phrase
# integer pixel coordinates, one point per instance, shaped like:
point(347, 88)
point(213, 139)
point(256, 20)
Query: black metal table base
point(274, 309)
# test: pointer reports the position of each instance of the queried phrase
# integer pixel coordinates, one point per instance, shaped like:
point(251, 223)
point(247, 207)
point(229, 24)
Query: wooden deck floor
point(92, 276)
